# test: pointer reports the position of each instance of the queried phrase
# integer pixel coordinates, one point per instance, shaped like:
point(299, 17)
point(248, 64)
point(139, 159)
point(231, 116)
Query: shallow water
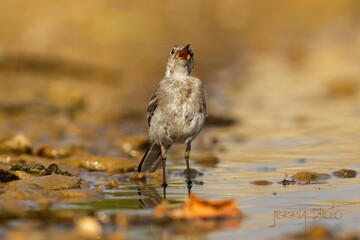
point(276, 145)
point(284, 129)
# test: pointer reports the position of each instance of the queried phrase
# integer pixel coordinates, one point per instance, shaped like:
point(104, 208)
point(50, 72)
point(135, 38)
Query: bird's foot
point(189, 186)
point(189, 183)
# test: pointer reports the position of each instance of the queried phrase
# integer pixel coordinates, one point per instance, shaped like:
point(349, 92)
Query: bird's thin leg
point(163, 158)
point(164, 192)
point(187, 155)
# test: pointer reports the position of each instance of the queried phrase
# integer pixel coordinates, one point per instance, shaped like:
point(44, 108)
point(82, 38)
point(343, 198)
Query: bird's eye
point(172, 51)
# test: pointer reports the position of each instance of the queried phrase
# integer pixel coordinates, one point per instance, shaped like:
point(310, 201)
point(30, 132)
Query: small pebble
point(261, 183)
point(345, 173)
point(88, 227)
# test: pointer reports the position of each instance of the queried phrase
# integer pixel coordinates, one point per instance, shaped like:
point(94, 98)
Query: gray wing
point(152, 105)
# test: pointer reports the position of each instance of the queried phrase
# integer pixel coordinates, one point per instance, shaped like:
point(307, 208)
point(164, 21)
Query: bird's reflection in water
point(149, 197)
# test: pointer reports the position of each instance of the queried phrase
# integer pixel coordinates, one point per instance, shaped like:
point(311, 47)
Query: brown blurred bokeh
point(105, 57)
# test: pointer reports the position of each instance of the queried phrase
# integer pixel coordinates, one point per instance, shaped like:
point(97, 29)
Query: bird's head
point(180, 60)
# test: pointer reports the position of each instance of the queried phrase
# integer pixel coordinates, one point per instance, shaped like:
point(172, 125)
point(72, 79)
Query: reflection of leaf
point(195, 208)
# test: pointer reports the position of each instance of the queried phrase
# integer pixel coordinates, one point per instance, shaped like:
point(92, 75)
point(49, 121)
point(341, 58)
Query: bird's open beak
point(185, 53)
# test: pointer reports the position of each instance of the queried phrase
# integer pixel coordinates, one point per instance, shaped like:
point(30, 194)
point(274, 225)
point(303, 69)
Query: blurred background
point(282, 79)
point(75, 71)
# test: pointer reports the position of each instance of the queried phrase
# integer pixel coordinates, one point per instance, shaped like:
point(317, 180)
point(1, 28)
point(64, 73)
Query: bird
point(176, 113)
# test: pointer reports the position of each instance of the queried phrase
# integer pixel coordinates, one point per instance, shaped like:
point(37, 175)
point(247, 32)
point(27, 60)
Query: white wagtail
point(176, 112)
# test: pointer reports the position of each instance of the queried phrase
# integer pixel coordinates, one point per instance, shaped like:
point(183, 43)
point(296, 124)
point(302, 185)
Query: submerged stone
point(261, 182)
point(310, 176)
point(345, 173)
point(34, 197)
point(50, 182)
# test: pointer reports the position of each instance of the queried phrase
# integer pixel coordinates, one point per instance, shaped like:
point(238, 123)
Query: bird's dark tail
point(151, 159)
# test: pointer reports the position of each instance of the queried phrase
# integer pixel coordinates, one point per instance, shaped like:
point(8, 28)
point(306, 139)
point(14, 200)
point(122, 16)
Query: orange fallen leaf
point(195, 208)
